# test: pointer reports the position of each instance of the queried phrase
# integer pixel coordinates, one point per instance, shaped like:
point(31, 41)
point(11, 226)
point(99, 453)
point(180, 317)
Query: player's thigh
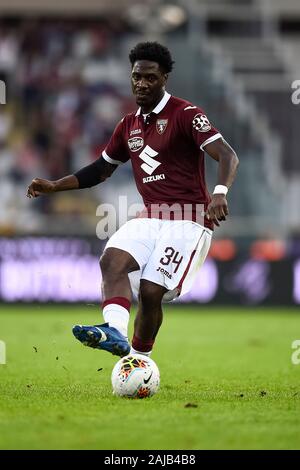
point(179, 253)
point(137, 237)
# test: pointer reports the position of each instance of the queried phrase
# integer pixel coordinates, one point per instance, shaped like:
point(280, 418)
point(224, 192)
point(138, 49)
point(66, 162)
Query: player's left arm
point(228, 161)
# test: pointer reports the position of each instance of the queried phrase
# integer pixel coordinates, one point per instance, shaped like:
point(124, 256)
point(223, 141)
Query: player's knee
point(108, 265)
point(112, 265)
point(150, 293)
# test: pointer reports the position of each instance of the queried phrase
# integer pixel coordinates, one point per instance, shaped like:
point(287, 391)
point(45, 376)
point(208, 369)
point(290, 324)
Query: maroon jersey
point(167, 156)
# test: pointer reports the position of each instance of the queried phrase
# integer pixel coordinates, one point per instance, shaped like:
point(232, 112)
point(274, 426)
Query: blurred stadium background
point(66, 70)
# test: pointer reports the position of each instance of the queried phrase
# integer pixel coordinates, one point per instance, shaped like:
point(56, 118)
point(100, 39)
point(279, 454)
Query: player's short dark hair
point(154, 52)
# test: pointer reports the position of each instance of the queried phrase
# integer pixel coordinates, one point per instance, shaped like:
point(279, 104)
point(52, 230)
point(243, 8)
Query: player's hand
point(217, 209)
point(40, 186)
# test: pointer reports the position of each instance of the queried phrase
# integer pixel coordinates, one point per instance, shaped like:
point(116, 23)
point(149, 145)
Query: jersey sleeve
point(116, 151)
point(197, 125)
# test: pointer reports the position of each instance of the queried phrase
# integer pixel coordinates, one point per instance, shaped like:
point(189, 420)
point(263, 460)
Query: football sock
point(116, 313)
point(133, 351)
point(141, 347)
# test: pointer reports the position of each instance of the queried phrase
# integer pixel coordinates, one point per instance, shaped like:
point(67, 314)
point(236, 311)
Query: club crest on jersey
point(135, 143)
point(201, 123)
point(161, 125)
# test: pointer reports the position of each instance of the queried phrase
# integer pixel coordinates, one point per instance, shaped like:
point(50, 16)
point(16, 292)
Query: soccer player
point(165, 139)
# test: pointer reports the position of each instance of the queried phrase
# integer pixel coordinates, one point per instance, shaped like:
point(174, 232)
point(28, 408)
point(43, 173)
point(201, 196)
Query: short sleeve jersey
point(167, 156)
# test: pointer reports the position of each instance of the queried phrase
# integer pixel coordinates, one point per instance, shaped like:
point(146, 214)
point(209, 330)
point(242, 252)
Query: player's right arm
point(91, 175)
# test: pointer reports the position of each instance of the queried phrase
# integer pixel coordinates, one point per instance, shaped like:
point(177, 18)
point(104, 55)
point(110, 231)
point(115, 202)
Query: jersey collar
point(160, 105)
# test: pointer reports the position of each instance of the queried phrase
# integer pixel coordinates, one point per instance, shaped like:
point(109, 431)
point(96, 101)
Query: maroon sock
point(119, 301)
point(142, 346)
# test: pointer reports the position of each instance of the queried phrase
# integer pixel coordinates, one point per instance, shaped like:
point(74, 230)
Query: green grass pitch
point(227, 382)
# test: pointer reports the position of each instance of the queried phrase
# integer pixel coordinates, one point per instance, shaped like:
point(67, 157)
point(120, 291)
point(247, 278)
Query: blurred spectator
point(63, 106)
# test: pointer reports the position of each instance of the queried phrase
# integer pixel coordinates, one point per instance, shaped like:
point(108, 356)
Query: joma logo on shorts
point(163, 271)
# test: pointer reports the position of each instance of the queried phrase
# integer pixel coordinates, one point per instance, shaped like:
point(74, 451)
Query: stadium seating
point(67, 83)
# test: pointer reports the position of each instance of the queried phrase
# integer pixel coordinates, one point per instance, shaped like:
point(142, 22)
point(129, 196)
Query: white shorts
point(168, 252)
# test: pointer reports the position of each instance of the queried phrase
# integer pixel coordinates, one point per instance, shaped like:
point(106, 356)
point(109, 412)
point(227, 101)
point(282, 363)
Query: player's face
point(148, 83)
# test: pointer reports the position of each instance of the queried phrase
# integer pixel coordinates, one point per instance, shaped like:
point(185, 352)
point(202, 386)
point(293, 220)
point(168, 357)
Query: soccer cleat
point(102, 337)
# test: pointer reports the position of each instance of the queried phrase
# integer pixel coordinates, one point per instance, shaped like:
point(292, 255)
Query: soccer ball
point(135, 376)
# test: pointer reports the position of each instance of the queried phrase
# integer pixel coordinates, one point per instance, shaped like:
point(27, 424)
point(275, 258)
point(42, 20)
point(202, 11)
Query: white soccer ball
point(135, 376)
